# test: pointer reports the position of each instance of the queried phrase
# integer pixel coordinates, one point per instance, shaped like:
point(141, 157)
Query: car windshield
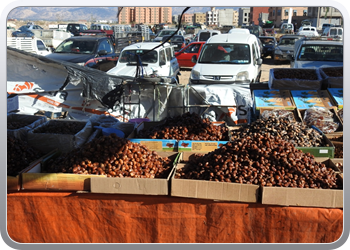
point(130, 56)
point(24, 28)
point(225, 54)
point(166, 32)
point(78, 47)
point(287, 41)
point(321, 53)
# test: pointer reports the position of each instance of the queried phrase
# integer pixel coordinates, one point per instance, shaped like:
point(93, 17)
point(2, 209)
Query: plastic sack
point(321, 118)
point(278, 113)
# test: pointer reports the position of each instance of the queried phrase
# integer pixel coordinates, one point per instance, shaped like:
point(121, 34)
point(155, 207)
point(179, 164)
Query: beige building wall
point(199, 18)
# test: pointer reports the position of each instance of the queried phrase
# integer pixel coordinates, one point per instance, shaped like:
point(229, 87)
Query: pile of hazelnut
point(114, 157)
point(261, 159)
point(189, 126)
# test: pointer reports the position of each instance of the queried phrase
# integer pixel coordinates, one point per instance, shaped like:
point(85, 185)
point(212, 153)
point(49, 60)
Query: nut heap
point(305, 74)
point(186, 127)
point(263, 160)
point(114, 157)
point(19, 155)
point(340, 166)
point(333, 71)
point(296, 133)
point(338, 151)
point(17, 124)
point(55, 127)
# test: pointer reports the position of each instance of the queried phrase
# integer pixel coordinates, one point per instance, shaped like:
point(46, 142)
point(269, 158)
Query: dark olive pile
point(189, 126)
point(16, 125)
point(19, 155)
point(262, 160)
point(304, 74)
point(114, 157)
point(333, 72)
point(60, 127)
point(296, 133)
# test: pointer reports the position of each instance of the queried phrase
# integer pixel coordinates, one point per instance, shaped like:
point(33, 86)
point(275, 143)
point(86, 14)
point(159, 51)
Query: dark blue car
point(268, 43)
point(91, 51)
point(25, 30)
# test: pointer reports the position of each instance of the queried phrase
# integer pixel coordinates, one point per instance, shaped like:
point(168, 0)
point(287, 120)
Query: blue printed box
point(199, 146)
point(305, 99)
point(157, 144)
point(337, 95)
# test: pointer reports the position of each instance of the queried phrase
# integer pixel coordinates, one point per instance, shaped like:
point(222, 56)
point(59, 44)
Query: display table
point(69, 217)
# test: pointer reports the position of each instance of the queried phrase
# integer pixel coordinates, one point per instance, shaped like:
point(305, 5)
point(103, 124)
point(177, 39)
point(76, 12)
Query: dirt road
point(265, 70)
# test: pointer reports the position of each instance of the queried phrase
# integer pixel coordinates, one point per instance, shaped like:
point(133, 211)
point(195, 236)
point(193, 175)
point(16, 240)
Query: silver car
point(285, 47)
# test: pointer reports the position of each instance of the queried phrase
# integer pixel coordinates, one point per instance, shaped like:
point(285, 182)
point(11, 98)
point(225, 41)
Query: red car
point(185, 55)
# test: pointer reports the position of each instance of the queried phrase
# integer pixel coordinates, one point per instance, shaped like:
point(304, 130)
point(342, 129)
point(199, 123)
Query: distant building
point(212, 17)
point(187, 18)
point(175, 18)
point(280, 15)
point(235, 18)
point(145, 15)
point(225, 17)
point(255, 12)
point(243, 16)
point(199, 18)
point(325, 15)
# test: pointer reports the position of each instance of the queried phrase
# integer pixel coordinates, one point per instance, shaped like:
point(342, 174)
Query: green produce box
point(326, 151)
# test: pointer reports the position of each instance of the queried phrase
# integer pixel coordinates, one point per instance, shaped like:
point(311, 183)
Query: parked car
point(177, 40)
point(228, 58)
point(255, 30)
point(268, 43)
point(160, 61)
point(92, 51)
point(204, 35)
point(285, 47)
point(98, 26)
point(287, 28)
point(308, 31)
point(317, 53)
point(238, 30)
point(167, 32)
point(333, 32)
point(76, 28)
point(184, 56)
point(25, 30)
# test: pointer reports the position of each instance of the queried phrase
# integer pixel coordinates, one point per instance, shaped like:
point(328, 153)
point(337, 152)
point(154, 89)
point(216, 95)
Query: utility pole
point(318, 17)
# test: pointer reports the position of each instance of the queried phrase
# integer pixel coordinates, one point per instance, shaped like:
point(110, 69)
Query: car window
point(168, 54)
point(130, 56)
point(162, 58)
point(324, 52)
point(225, 54)
point(40, 45)
point(203, 36)
point(105, 45)
point(193, 48)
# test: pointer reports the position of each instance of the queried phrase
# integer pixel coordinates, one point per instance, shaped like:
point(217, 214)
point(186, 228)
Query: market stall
point(184, 178)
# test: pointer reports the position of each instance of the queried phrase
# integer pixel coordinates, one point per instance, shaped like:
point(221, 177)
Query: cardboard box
point(333, 163)
point(33, 121)
point(212, 190)
point(272, 99)
point(306, 197)
point(337, 95)
point(46, 142)
point(303, 197)
point(145, 186)
point(34, 179)
point(294, 83)
point(305, 99)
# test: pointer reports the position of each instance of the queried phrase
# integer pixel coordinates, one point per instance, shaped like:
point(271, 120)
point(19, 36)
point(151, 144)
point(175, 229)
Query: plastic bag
point(321, 118)
point(278, 113)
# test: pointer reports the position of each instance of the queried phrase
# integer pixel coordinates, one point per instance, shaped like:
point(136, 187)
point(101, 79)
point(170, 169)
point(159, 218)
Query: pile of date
point(264, 153)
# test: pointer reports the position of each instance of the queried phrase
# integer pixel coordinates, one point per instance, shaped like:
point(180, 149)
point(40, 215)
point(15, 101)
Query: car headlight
point(278, 50)
point(242, 76)
point(195, 75)
point(81, 64)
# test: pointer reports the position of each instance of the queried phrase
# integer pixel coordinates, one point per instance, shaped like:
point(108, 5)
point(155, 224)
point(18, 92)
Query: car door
point(192, 50)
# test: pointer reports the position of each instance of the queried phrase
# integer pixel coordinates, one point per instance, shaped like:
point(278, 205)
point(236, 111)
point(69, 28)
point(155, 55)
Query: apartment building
point(280, 15)
point(243, 16)
point(199, 18)
point(212, 17)
point(321, 15)
point(187, 18)
point(145, 15)
point(255, 13)
point(225, 17)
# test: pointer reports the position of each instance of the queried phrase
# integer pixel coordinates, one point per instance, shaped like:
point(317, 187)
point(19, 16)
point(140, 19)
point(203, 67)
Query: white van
point(29, 44)
point(161, 61)
point(97, 26)
point(204, 35)
point(308, 31)
point(239, 30)
point(334, 32)
point(228, 58)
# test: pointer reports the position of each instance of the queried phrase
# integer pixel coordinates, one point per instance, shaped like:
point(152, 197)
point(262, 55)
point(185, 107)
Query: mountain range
point(83, 13)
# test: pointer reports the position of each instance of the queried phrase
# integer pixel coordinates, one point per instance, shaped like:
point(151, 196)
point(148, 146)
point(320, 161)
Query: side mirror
point(259, 61)
point(102, 52)
point(194, 59)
